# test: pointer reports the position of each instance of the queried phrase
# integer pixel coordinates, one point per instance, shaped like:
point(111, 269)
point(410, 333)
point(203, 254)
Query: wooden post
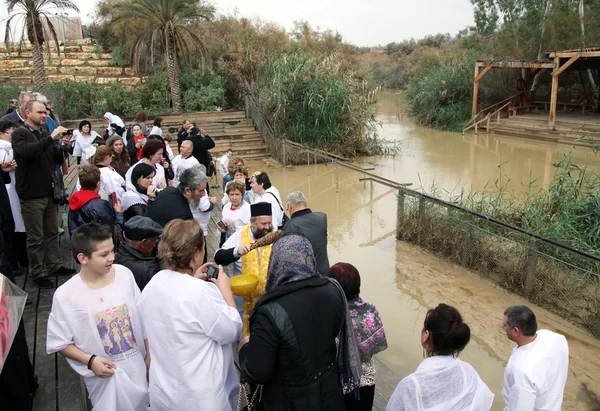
point(420, 218)
point(399, 214)
point(554, 93)
point(530, 269)
point(475, 91)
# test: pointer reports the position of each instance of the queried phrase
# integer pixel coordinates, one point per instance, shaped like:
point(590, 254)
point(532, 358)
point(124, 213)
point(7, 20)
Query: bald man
point(18, 116)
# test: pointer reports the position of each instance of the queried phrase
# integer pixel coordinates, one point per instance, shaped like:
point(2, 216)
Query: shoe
point(44, 282)
point(64, 271)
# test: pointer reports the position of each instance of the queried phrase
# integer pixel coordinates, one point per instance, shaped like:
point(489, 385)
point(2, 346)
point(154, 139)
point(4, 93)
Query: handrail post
point(399, 213)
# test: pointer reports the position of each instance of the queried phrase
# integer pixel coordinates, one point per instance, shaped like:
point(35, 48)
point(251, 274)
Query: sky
point(360, 22)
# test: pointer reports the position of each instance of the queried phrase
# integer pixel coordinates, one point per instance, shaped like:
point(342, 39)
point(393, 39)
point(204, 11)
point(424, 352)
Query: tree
point(32, 14)
point(168, 29)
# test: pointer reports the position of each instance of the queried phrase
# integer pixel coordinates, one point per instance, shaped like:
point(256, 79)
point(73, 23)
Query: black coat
point(7, 223)
point(292, 349)
point(183, 135)
point(96, 209)
point(142, 267)
point(169, 205)
point(313, 226)
point(36, 154)
point(201, 147)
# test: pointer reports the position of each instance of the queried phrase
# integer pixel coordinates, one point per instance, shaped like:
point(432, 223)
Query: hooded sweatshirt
point(86, 206)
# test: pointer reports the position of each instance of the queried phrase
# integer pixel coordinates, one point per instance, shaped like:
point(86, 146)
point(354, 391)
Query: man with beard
point(237, 255)
point(178, 202)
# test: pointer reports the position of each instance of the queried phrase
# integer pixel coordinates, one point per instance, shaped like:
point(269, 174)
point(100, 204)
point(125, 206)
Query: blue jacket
point(86, 206)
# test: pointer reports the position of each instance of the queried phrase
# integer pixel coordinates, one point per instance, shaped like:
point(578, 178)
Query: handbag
point(285, 218)
point(247, 402)
point(59, 194)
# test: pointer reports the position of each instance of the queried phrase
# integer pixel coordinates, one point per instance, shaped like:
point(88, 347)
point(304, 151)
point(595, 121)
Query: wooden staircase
point(229, 129)
point(570, 128)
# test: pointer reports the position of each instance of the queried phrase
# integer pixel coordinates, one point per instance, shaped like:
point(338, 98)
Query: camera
point(69, 132)
point(212, 272)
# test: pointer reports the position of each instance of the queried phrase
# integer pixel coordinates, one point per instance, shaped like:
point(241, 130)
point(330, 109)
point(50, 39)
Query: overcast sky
point(361, 22)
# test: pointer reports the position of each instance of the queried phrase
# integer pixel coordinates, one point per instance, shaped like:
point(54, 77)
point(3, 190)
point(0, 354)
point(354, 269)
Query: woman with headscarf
point(120, 156)
point(136, 201)
point(292, 354)
point(115, 125)
point(370, 335)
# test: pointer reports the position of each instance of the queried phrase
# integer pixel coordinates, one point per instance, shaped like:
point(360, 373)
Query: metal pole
point(308, 161)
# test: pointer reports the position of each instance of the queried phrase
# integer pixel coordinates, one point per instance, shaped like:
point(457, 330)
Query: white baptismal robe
point(536, 374)
point(110, 182)
point(442, 383)
point(180, 164)
point(104, 322)
point(190, 332)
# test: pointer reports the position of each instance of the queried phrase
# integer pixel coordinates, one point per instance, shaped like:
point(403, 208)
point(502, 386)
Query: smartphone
point(69, 132)
point(221, 225)
point(212, 272)
point(114, 197)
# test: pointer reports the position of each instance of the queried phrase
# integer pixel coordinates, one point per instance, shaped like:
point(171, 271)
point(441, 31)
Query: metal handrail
point(414, 193)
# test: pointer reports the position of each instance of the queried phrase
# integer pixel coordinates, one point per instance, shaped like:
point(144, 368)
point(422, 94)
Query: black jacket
point(183, 135)
point(86, 206)
point(169, 205)
point(293, 350)
point(314, 227)
point(7, 223)
point(14, 117)
point(201, 147)
point(36, 154)
point(142, 267)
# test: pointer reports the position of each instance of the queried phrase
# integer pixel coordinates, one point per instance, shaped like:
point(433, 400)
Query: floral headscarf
point(292, 259)
point(370, 335)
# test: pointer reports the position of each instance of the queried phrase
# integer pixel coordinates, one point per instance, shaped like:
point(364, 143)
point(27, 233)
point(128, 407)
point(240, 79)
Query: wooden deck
point(60, 388)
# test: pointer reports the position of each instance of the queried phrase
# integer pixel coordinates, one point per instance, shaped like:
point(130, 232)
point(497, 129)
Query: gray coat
point(314, 227)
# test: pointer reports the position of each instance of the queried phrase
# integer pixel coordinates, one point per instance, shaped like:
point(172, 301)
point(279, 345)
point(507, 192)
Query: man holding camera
point(37, 155)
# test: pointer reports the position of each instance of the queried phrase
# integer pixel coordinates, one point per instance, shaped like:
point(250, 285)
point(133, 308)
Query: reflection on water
point(453, 161)
point(404, 281)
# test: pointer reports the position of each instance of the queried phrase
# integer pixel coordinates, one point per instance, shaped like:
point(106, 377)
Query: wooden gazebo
point(558, 62)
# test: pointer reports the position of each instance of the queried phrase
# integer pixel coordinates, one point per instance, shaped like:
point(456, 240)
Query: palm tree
point(30, 15)
point(168, 28)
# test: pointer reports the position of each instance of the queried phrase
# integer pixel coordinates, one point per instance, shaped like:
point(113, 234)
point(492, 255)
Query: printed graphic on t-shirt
point(116, 332)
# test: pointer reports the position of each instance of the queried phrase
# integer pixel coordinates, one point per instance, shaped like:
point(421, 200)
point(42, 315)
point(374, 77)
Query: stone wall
point(79, 61)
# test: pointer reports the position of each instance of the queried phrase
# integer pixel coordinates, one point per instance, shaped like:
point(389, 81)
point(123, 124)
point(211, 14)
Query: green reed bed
point(566, 212)
point(318, 102)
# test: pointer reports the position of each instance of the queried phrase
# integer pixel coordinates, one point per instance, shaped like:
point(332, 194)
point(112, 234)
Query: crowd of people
point(150, 323)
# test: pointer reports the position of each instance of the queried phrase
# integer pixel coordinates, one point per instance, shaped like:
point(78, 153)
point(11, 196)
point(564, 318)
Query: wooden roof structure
point(558, 61)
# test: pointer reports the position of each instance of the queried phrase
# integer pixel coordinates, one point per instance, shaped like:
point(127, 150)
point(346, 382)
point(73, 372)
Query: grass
point(567, 211)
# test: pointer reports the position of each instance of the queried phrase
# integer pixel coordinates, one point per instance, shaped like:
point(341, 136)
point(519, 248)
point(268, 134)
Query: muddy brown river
point(404, 281)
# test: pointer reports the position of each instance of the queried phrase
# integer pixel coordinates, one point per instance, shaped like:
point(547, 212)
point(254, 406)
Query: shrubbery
point(440, 95)
point(316, 102)
point(73, 100)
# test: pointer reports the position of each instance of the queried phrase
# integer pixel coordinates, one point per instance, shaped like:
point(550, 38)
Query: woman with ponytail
point(442, 381)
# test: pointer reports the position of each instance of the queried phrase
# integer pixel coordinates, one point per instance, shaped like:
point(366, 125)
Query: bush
point(316, 102)
point(201, 92)
point(8, 91)
point(440, 94)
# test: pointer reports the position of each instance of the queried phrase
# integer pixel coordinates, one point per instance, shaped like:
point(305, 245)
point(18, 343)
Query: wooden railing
point(487, 119)
point(565, 106)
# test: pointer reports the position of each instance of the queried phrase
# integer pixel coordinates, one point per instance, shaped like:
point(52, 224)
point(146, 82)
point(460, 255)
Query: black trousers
point(367, 394)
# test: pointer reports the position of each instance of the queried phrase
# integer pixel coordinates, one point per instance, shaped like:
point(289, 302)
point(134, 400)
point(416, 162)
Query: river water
point(404, 281)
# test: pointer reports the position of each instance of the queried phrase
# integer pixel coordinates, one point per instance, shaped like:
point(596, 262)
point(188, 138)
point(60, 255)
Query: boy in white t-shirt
point(95, 324)
point(224, 162)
